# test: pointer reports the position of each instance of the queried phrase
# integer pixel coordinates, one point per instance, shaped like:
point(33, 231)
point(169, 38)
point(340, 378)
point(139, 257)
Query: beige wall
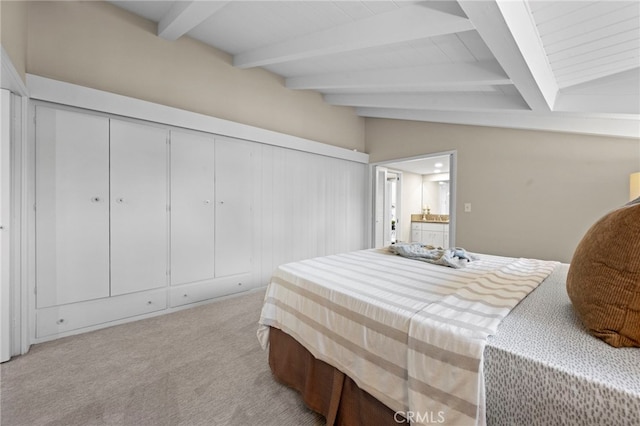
point(13, 33)
point(533, 194)
point(98, 45)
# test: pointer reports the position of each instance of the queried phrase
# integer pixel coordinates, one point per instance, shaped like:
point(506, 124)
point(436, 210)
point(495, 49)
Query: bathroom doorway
point(388, 199)
point(425, 188)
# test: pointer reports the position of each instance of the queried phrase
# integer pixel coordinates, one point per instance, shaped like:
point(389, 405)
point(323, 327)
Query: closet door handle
point(95, 199)
point(120, 200)
point(207, 202)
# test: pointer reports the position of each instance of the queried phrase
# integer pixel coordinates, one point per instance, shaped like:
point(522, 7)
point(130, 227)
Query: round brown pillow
point(603, 282)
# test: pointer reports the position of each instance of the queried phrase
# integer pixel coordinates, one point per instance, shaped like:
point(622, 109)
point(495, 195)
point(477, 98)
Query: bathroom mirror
point(435, 193)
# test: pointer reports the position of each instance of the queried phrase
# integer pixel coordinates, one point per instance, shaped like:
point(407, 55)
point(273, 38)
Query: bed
point(353, 333)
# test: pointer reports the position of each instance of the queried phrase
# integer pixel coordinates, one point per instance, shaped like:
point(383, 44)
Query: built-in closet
point(101, 219)
point(212, 182)
point(135, 218)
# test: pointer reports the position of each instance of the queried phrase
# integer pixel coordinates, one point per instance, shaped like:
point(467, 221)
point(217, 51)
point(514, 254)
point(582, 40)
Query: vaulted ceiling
point(551, 65)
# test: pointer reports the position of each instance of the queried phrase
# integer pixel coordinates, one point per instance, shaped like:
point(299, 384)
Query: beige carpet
point(200, 366)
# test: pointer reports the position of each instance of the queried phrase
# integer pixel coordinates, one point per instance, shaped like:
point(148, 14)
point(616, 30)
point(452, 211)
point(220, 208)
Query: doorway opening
point(388, 202)
point(411, 190)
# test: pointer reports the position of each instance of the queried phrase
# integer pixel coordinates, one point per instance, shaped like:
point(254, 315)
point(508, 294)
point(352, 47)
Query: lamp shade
point(634, 186)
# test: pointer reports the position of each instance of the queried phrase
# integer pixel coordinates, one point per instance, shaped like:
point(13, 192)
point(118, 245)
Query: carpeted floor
point(200, 366)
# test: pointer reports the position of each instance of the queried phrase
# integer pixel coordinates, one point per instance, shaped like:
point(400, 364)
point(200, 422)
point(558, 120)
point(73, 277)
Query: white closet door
point(139, 227)
point(233, 224)
point(192, 207)
point(72, 207)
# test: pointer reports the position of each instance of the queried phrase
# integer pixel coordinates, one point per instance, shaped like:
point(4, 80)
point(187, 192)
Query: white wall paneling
point(357, 208)
point(185, 216)
point(318, 205)
point(312, 205)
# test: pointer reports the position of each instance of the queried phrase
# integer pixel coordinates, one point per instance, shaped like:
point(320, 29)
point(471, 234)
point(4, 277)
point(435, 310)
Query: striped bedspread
point(410, 333)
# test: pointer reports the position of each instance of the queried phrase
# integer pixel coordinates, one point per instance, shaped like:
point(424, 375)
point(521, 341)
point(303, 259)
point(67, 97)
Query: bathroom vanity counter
point(430, 233)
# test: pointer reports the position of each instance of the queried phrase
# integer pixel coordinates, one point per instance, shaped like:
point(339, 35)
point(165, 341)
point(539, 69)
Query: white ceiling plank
point(412, 78)
point(454, 49)
point(355, 10)
point(624, 40)
point(186, 15)
point(431, 101)
point(604, 63)
point(604, 23)
point(582, 16)
point(405, 24)
point(545, 11)
point(598, 72)
point(623, 83)
point(593, 35)
point(628, 127)
point(494, 30)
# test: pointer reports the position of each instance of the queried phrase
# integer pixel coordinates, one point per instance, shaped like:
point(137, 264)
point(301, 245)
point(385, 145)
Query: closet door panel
point(72, 207)
point(233, 216)
point(139, 217)
point(192, 207)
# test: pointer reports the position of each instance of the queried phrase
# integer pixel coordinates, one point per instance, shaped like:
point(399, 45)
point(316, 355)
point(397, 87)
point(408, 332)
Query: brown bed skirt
point(323, 388)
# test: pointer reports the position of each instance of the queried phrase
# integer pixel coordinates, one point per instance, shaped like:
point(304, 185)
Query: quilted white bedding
point(412, 334)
